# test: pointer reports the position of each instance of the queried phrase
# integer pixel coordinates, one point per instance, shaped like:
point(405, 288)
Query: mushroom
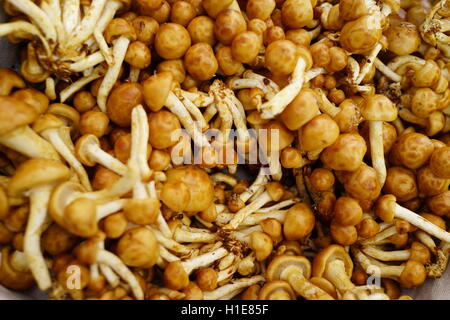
point(296, 270)
point(278, 103)
point(158, 93)
point(417, 252)
point(11, 277)
point(49, 127)
point(376, 109)
point(89, 252)
point(120, 33)
point(334, 264)
point(9, 80)
point(37, 177)
point(276, 290)
point(176, 274)
point(273, 192)
point(17, 135)
point(387, 209)
point(231, 288)
point(409, 275)
point(89, 152)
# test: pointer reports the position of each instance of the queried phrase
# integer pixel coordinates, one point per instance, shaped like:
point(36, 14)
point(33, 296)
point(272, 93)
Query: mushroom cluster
point(223, 149)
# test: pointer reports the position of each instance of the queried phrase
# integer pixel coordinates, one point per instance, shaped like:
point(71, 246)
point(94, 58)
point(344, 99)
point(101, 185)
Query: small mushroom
point(37, 177)
point(295, 270)
point(17, 135)
point(376, 109)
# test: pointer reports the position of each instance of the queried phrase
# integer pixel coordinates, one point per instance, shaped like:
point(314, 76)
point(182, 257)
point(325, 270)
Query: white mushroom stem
point(112, 278)
point(377, 149)
point(86, 27)
point(50, 89)
point(53, 10)
point(227, 261)
point(377, 253)
point(426, 239)
point(170, 244)
point(369, 63)
point(105, 209)
point(166, 255)
point(238, 84)
point(37, 16)
point(258, 184)
point(232, 287)
point(139, 119)
point(389, 73)
point(119, 51)
point(71, 14)
point(38, 222)
point(80, 83)
point(227, 273)
point(226, 117)
point(27, 142)
point(177, 107)
point(240, 216)
point(383, 270)
point(98, 155)
point(134, 74)
point(199, 98)
point(368, 292)
point(279, 102)
point(23, 26)
point(380, 236)
point(54, 137)
point(182, 234)
point(399, 61)
point(421, 223)
point(238, 118)
point(326, 106)
point(107, 15)
point(193, 110)
point(203, 260)
point(111, 260)
point(223, 177)
point(87, 62)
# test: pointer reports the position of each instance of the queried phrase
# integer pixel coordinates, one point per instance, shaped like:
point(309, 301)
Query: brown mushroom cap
point(276, 290)
point(199, 185)
point(81, 149)
point(9, 80)
point(34, 98)
point(329, 254)
point(14, 114)
point(385, 207)
point(46, 122)
point(413, 275)
point(37, 172)
point(363, 183)
point(156, 90)
point(379, 108)
point(11, 278)
point(138, 248)
point(346, 153)
point(121, 102)
point(281, 267)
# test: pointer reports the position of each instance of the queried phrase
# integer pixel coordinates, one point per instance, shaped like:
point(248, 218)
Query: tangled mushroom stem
point(230, 288)
point(38, 222)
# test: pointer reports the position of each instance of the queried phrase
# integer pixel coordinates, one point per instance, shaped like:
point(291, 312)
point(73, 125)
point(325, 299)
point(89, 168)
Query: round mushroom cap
point(156, 90)
point(281, 267)
point(14, 114)
point(276, 290)
point(385, 207)
point(37, 172)
point(81, 149)
point(9, 80)
point(38, 100)
point(47, 121)
point(379, 108)
point(329, 254)
point(61, 197)
point(199, 185)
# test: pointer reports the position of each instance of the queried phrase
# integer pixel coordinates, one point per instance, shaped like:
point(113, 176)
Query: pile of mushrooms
point(225, 149)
